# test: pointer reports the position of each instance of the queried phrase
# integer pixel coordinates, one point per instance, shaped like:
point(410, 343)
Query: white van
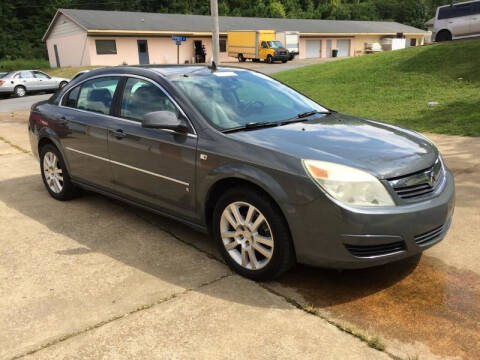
point(461, 20)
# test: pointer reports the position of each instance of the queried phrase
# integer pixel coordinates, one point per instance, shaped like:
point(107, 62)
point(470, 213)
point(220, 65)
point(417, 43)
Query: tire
point(20, 91)
point(284, 61)
point(269, 59)
point(243, 241)
point(241, 58)
point(62, 85)
point(444, 35)
point(63, 189)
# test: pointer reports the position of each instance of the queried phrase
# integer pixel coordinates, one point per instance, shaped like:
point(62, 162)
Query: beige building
point(92, 37)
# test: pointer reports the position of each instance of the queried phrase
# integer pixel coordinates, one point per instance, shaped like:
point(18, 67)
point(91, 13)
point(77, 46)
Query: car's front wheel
point(252, 234)
point(55, 174)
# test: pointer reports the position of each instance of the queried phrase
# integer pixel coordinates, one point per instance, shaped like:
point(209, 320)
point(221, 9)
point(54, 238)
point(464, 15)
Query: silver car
point(22, 82)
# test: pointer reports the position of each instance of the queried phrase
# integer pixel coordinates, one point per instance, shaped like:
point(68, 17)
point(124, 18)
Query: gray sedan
point(272, 175)
point(22, 82)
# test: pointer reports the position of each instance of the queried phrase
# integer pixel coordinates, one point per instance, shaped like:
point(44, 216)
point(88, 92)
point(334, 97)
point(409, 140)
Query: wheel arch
point(47, 136)
point(267, 186)
point(443, 31)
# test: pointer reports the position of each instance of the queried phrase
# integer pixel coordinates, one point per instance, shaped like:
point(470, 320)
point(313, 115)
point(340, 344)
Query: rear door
point(461, 23)
point(475, 25)
point(26, 79)
point(82, 125)
point(153, 166)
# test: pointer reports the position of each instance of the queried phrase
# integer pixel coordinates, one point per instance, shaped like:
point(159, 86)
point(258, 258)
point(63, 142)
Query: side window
point(96, 95)
point(70, 100)
point(142, 97)
point(264, 45)
point(40, 75)
point(26, 75)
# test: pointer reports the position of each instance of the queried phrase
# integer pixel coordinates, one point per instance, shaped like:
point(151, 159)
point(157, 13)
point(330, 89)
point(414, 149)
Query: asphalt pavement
point(23, 103)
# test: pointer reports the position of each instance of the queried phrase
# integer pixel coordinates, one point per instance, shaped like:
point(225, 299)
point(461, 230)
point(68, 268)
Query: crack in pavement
point(118, 317)
point(19, 148)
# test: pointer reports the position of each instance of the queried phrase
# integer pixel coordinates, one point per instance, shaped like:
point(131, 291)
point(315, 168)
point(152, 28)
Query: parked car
point(256, 45)
point(457, 21)
point(22, 82)
point(272, 175)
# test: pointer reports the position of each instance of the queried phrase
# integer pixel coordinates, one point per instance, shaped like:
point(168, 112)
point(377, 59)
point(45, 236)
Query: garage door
point(343, 47)
point(313, 48)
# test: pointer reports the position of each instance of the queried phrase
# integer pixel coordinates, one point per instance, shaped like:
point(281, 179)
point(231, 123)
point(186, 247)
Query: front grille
point(429, 237)
point(420, 184)
point(365, 251)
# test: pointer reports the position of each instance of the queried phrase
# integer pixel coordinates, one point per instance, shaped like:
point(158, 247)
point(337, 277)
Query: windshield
point(275, 44)
point(231, 99)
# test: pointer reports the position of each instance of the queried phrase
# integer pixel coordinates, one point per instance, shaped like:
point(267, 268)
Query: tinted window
point(264, 45)
point(97, 95)
point(142, 97)
point(460, 10)
point(71, 98)
point(234, 98)
point(105, 47)
point(40, 75)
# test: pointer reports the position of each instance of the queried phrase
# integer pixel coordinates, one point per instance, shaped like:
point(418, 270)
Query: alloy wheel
point(246, 235)
point(20, 91)
point(53, 172)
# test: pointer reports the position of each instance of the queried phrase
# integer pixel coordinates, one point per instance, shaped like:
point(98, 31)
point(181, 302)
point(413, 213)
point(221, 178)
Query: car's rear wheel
point(55, 174)
point(241, 58)
point(444, 35)
point(20, 91)
point(252, 234)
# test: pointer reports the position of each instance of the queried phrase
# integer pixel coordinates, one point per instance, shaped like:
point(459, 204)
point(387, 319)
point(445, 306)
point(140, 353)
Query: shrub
point(23, 64)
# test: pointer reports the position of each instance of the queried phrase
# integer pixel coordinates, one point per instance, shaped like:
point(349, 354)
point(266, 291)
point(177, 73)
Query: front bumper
point(285, 57)
point(329, 235)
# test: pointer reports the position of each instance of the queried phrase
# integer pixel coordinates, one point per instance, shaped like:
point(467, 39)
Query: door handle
point(62, 120)
point(119, 134)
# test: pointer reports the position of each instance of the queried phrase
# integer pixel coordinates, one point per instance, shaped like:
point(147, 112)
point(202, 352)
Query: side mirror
point(165, 120)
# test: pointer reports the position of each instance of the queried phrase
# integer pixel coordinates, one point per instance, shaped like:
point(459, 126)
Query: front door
point(153, 166)
point(83, 125)
point(44, 81)
point(142, 52)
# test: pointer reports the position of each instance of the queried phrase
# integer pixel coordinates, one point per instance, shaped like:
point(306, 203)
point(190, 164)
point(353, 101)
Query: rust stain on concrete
point(417, 300)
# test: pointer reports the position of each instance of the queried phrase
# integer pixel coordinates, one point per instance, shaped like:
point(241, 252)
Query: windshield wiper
point(252, 126)
point(302, 116)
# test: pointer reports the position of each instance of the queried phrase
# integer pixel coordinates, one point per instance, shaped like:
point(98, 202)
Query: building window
point(223, 45)
point(106, 47)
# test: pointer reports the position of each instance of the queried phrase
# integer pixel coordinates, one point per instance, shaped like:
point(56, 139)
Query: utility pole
point(215, 31)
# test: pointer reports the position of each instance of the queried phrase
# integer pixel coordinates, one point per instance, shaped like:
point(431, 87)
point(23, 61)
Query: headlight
point(349, 185)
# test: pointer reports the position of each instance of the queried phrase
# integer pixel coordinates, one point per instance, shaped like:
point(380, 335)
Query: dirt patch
point(412, 301)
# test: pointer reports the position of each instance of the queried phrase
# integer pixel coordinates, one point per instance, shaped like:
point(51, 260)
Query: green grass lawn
point(396, 87)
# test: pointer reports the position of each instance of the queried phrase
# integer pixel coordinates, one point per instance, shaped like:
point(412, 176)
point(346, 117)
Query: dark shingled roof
point(139, 21)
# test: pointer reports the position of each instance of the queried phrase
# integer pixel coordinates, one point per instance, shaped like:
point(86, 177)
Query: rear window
point(4, 74)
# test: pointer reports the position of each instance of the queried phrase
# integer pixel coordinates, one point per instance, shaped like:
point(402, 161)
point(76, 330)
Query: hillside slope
point(397, 86)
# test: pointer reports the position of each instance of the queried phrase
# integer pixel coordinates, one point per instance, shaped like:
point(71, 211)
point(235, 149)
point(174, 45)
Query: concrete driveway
point(95, 278)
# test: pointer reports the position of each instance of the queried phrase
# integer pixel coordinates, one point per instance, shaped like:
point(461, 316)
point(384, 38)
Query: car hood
point(384, 150)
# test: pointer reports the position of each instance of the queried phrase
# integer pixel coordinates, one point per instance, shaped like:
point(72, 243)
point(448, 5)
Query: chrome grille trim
point(420, 184)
